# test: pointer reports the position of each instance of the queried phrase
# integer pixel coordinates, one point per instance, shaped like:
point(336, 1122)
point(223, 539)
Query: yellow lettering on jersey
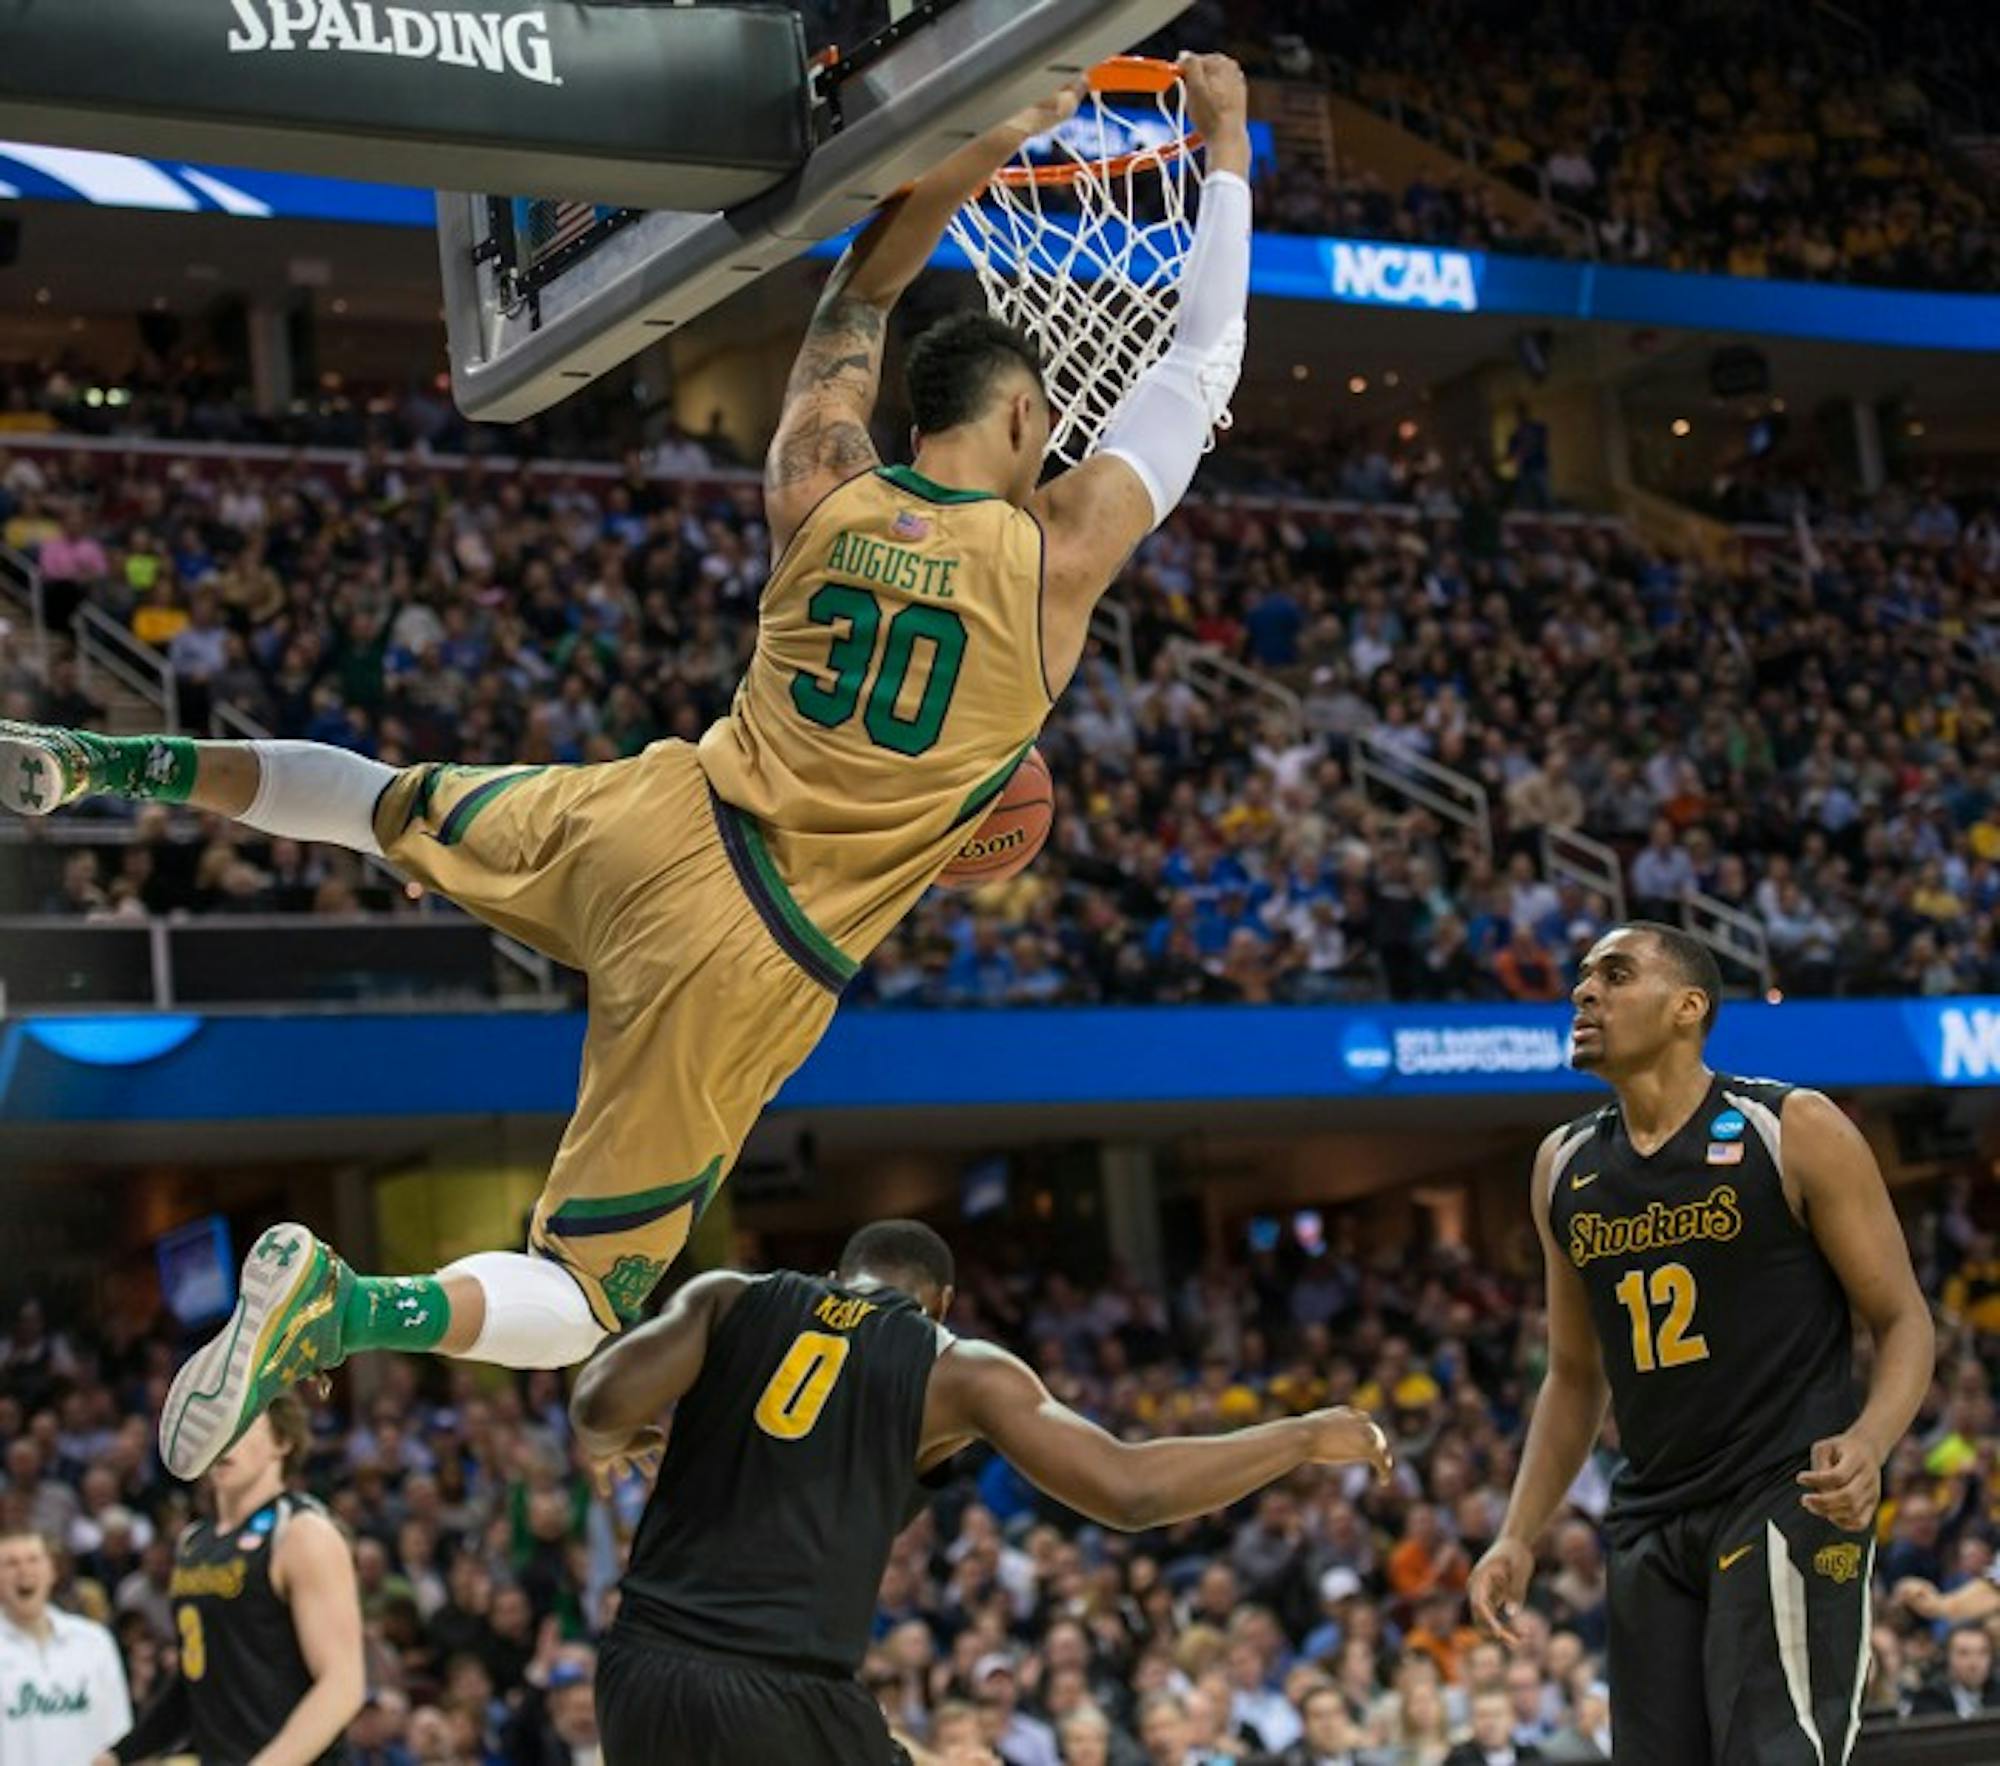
point(225, 1581)
point(842, 1315)
point(894, 567)
point(1717, 1216)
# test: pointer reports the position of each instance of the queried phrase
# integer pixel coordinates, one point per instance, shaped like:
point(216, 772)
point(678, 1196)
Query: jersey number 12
point(1672, 1286)
point(830, 703)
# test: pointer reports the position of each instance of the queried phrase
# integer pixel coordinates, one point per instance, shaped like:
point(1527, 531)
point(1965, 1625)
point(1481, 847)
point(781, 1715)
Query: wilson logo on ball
point(978, 848)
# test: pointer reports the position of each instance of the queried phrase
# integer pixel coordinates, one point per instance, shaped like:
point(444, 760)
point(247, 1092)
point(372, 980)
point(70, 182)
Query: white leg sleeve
point(536, 1315)
point(1163, 427)
point(309, 791)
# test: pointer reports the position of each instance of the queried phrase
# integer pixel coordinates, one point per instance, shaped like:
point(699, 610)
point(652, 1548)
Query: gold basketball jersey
point(897, 682)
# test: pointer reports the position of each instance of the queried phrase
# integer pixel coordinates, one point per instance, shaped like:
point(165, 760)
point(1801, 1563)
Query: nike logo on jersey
point(1742, 1551)
point(1582, 1180)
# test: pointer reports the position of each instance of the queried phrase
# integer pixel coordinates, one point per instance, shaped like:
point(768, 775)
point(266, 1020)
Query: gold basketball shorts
point(708, 985)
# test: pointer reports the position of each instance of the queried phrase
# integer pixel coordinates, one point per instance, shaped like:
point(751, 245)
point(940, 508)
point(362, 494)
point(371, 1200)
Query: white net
point(1080, 244)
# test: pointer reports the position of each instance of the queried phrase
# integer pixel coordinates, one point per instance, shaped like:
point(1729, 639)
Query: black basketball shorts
point(1739, 1634)
point(659, 1704)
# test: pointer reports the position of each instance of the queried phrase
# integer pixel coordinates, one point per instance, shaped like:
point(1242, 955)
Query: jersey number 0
point(831, 704)
point(797, 1392)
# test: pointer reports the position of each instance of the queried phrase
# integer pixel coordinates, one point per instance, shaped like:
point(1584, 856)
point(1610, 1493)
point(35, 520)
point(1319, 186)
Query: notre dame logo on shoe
point(630, 1281)
point(1839, 1563)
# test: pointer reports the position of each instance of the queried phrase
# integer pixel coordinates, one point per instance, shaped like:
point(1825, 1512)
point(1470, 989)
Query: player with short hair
point(62, 1685)
point(267, 1615)
point(1706, 1240)
point(807, 1412)
point(918, 624)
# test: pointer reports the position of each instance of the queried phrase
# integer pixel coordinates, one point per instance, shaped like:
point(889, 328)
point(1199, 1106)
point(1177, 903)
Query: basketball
point(1015, 829)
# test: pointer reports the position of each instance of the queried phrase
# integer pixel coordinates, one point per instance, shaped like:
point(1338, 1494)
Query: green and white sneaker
point(41, 768)
point(286, 1328)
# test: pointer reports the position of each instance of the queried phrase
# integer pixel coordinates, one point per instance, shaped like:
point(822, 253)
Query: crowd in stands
point(1747, 139)
point(191, 395)
point(1325, 1615)
point(1813, 747)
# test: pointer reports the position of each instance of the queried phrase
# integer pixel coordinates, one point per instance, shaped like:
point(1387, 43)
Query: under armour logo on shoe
point(31, 781)
point(159, 763)
point(280, 1250)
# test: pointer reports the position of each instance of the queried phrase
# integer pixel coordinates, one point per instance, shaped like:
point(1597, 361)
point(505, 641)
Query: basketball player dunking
point(917, 627)
point(1706, 1239)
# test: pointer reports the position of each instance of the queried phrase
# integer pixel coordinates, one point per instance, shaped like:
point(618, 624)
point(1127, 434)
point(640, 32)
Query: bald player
point(916, 629)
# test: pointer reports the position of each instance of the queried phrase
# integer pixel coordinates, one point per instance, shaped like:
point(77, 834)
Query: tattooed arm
point(822, 435)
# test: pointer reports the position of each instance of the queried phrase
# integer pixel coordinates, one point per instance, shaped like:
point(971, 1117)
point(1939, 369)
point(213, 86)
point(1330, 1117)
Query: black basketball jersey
point(790, 1469)
point(239, 1652)
point(1724, 1329)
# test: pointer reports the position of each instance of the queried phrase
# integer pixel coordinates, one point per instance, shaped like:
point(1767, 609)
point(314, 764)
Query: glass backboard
point(542, 297)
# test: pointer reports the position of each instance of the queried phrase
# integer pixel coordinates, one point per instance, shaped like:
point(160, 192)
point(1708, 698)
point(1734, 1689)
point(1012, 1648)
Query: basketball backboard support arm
point(956, 70)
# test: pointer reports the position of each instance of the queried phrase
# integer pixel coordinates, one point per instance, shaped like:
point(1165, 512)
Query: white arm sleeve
point(1162, 428)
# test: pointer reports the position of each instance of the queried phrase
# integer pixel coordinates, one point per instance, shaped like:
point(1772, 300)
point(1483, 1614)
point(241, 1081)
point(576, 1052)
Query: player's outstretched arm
point(1569, 1411)
point(822, 436)
point(984, 1392)
point(1095, 515)
point(314, 1571)
point(1848, 1213)
point(627, 1386)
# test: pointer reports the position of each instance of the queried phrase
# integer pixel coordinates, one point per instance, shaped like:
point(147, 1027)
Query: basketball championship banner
point(188, 1067)
point(652, 105)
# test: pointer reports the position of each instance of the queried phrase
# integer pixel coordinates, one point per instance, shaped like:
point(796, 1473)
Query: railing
point(103, 645)
point(21, 584)
point(1588, 863)
point(1734, 936)
point(157, 965)
point(1111, 626)
point(1448, 794)
point(1223, 679)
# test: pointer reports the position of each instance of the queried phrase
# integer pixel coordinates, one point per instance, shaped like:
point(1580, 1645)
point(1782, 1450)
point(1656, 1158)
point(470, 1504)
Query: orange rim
point(1133, 73)
point(1130, 76)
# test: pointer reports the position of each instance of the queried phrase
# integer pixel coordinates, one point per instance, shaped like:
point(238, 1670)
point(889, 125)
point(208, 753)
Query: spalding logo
point(488, 41)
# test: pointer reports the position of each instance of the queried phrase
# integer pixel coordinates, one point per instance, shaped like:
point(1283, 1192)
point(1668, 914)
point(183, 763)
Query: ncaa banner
point(650, 105)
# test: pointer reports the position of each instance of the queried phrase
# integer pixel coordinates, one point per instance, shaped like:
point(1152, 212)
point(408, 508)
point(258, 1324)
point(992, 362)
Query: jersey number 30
point(831, 702)
point(1672, 1286)
point(798, 1391)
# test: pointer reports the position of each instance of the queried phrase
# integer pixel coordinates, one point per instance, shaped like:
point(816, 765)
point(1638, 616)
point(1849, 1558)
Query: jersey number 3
point(194, 1647)
point(1672, 1286)
point(798, 1391)
point(831, 702)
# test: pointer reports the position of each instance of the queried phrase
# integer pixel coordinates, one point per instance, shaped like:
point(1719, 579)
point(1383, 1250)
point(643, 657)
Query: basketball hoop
point(1081, 240)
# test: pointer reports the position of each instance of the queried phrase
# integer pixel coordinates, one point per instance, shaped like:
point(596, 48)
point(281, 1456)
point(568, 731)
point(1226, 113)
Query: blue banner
point(184, 1067)
point(1354, 272)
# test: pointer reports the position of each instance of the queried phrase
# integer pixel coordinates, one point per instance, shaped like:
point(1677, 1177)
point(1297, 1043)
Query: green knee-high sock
point(150, 768)
point(406, 1312)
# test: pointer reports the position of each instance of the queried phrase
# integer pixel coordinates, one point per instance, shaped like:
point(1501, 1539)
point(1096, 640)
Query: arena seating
point(1805, 145)
point(487, 1567)
point(1818, 735)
